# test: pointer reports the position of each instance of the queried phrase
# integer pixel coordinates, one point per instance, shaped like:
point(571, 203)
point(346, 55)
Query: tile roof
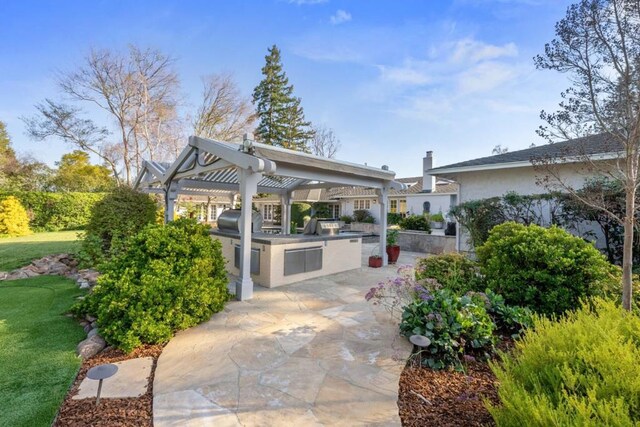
point(589, 145)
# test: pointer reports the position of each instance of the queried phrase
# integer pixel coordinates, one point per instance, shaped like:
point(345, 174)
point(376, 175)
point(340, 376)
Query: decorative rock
point(87, 328)
point(83, 323)
point(90, 318)
point(84, 284)
point(91, 346)
point(93, 332)
point(94, 324)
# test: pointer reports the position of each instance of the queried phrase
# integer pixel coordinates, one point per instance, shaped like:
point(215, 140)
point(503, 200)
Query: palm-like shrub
point(14, 220)
point(169, 277)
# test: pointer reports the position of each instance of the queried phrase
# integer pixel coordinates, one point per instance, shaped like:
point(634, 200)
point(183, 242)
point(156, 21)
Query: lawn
point(17, 252)
point(37, 348)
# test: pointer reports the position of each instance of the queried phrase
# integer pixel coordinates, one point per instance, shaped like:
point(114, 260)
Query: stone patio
point(310, 353)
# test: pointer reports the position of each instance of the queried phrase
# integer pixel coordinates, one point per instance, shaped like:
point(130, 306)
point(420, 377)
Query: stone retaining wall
point(418, 241)
point(365, 227)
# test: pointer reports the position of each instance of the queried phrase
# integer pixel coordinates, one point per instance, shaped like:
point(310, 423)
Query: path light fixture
point(421, 342)
point(99, 373)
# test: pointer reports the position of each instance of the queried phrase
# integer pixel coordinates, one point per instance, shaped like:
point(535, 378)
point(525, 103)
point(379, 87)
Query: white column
point(286, 213)
point(382, 202)
point(170, 198)
point(248, 188)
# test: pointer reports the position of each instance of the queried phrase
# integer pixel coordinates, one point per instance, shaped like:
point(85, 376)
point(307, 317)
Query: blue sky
point(392, 78)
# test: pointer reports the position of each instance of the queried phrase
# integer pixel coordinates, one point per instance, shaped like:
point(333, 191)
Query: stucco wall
point(415, 241)
point(439, 202)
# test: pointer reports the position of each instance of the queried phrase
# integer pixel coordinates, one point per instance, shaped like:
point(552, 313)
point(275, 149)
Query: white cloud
point(485, 77)
point(470, 50)
point(340, 17)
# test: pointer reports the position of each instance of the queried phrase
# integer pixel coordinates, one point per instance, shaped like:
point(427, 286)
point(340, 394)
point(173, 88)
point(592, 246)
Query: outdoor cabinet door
point(294, 261)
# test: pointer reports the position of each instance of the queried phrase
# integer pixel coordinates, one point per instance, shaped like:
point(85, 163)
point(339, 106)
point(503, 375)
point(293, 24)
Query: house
point(424, 194)
point(494, 176)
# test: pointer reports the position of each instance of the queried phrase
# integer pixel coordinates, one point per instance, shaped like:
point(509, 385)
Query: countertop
point(284, 239)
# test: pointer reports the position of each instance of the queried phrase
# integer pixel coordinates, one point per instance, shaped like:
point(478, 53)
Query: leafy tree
point(76, 173)
point(20, 173)
point(8, 159)
point(281, 117)
point(13, 218)
point(597, 45)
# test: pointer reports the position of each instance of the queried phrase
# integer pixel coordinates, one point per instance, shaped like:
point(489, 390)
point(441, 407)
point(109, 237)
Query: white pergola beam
point(206, 185)
point(197, 170)
point(329, 176)
point(233, 156)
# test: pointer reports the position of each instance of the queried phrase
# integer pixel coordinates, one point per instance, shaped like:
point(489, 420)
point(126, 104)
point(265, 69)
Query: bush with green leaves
point(298, 212)
point(415, 222)
point(393, 218)
point(437, 217)
point(581, 370)
point(346, 219)
point(455, 326)
point(545, 269)
point(453, 271)
point(363, 215)
point(169, 277)
point(509, 319)
point(56, 211)
point(13, 218)
point(118, 216)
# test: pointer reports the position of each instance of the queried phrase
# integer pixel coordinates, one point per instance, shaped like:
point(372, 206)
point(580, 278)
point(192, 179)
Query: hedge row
point(56, 211)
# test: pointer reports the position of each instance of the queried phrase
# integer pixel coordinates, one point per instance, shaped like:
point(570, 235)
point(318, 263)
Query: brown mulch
point(446, 398)
point(111, 412)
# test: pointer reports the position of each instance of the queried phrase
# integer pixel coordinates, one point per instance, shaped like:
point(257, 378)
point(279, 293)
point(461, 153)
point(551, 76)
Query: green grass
point(16, 252)
point(37, 348)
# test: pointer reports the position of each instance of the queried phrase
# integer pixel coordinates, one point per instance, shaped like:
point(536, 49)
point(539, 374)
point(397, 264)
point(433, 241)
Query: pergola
point(208, 167)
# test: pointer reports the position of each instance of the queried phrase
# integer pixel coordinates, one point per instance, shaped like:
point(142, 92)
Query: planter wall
point(418, 241)
point(365, 227)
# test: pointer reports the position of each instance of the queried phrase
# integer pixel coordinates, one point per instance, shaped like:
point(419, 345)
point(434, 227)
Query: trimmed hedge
point(49, 211)
point(453, 271)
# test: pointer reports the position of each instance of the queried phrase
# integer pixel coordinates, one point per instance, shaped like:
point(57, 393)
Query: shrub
point(346, 219)
point(453, 271)
point(508, 319)
point(415, 222)
point(579, 371)
point(393, 218)
point(363, 215)
point(455, 325)
point(392, 237)
point(438, 217)
point(56, 211)
point(119, 215)
point(298, 212)
point(545, 269)
point(169, 277)
point(321, 210)
point(13, 218)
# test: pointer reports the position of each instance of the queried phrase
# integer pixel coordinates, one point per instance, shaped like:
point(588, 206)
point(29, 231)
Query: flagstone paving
point(310, 353)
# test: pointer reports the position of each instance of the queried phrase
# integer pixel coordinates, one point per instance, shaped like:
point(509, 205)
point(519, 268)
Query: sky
point(393, 79)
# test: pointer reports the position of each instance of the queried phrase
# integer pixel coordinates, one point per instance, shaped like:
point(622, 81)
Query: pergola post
point(383, 194)
point(286, 213)
point(171, 195)
point(248, 188)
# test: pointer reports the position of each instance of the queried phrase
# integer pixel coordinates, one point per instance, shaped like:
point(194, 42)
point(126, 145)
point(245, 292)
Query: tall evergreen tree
point(281, 117)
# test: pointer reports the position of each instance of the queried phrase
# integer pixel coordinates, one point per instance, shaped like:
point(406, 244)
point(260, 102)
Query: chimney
point(428, 181)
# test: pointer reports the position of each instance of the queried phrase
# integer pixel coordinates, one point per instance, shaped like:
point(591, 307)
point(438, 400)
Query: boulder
point(91, 346)
point(87, 328)
point(93, 332)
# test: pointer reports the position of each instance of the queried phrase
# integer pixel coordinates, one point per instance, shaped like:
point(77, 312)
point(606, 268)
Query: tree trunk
point(627, 252)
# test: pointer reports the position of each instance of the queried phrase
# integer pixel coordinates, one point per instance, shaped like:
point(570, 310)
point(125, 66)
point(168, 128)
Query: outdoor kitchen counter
point(278, 259)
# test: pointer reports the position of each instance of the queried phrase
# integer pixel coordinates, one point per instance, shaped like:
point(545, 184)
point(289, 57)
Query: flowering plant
point(395, 293)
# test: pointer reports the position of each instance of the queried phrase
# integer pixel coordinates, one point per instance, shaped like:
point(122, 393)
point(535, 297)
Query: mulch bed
point(446, 398)
point(111, 412)
point(449, 398)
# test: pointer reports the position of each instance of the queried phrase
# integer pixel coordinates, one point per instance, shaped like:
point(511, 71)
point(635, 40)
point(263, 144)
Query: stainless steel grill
point(322, 227)
point(229, 220)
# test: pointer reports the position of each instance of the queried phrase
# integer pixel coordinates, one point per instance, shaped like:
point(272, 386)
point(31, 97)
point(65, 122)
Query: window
point(393, 206)
point(335, 211)
point(403, 206)
point(213, 212)
point(361, 204)
point(267, 212)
